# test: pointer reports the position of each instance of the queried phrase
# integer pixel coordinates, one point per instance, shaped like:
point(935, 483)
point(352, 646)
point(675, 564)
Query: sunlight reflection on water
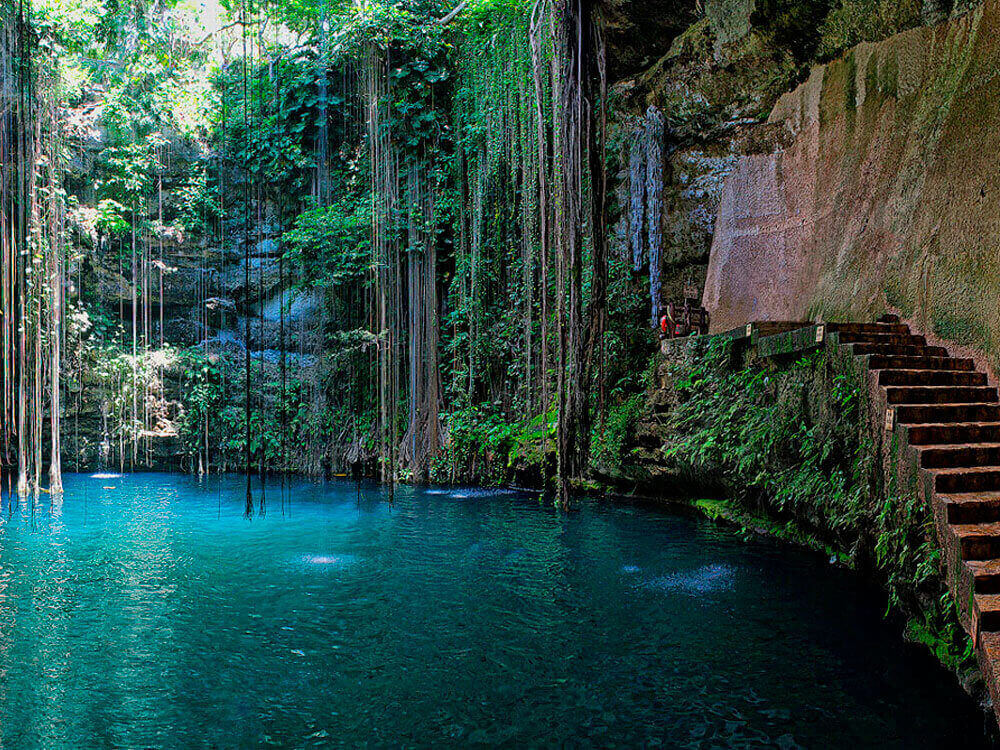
point(337, 560)
point(707, 579)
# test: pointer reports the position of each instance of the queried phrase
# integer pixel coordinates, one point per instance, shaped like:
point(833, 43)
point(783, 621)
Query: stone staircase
point(942, 436)
point(947, 417)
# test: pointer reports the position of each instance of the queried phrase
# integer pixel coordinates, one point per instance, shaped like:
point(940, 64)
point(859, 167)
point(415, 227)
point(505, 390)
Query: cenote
point(145, 611)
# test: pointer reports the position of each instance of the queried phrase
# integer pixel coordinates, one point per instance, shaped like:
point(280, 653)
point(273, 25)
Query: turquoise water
point(146, 612)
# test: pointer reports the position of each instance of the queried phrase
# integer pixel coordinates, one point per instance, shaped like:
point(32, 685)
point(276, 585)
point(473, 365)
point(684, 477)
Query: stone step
point(988, 650)
point(979, 541)
point(883, 328)
point(883, 362)
point(931, 377)
point(967, 480)
point(951, 418)
point(985, 575)
point(958, 456)
point(941, 394)
point(988, 607)
point(773, 327)
point(944, 413)
point(953, 433)
point(899, 351)
point(971, 507)
point(649, 441)
point(894, 339)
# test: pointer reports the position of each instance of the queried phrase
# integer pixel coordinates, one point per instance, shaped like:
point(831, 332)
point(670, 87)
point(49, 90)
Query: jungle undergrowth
point(792, 444)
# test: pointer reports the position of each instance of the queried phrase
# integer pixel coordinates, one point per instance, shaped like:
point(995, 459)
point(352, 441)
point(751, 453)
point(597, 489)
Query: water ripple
point(155, 615)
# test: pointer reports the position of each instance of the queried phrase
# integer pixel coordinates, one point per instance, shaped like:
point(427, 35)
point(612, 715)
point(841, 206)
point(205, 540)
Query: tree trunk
point(571, 128)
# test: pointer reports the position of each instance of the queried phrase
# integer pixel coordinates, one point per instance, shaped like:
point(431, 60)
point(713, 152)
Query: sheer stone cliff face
point(884, 191)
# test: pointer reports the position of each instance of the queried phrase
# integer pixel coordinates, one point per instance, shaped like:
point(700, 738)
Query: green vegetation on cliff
point(792, 448)
point(416, 200)
point(374, 231)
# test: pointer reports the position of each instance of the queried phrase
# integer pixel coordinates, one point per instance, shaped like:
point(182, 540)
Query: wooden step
point(960, 455)
point(989, 663)
point(941, 394)
point(895, 350)
point(953, 433)
point(944, 413)
point(966, 480)
point(931, 377)
point(951, 417)
point(773, 327)
point(890, 362)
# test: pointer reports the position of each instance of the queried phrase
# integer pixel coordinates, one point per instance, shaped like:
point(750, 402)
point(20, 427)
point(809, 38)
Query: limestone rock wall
point(883, 193)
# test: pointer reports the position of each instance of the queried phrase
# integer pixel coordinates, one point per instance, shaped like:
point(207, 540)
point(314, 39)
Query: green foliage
point(495, 289)
point(792, 441)
point(398, 26)
point(202, 395)
point(197, 200)
point(485, 447)
point(851, 22)
point(128, 171)
point(150, 62)
point(534, 446)
point(712, 508)
point(626, 344)
point(271, 128)
point(209, 408)
point(111, 218)
point(751, 425)
point(331, 246)
point(610, 440)
point(182, 109)
point(939, 631)
point(480, 440)
point(292, 418)
point(415, 120)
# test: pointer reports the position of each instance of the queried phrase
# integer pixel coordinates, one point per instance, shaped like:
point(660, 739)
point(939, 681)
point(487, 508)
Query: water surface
point(146, 612)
